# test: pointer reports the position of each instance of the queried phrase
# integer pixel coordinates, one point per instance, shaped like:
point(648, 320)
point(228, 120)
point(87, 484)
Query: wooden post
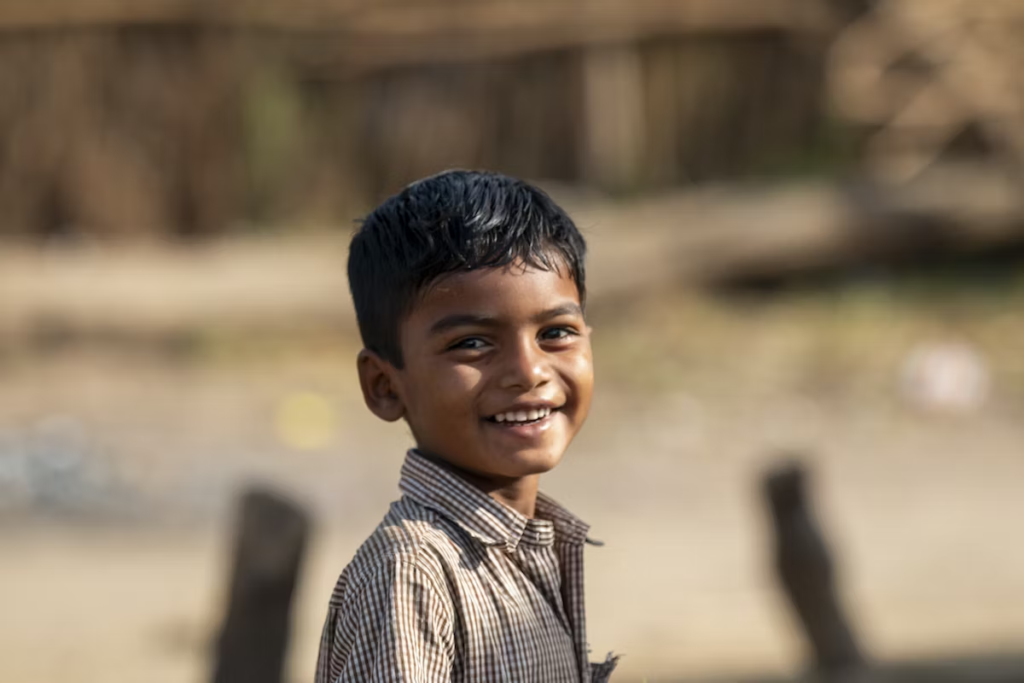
point(805, 569)
point(269, 545)
point(613, 116)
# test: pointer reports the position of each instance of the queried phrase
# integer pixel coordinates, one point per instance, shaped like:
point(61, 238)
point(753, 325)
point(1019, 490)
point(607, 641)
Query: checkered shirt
point(454, 586)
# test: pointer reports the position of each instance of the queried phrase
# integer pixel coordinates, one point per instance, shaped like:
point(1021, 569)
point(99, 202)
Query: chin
point(525, 464)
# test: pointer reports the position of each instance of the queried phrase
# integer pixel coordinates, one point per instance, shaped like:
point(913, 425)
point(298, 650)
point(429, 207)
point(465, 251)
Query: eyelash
point(568, 332)
point(462, 344)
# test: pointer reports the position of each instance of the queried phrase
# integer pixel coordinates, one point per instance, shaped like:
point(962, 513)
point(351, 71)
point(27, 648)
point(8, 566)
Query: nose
point(524, 365)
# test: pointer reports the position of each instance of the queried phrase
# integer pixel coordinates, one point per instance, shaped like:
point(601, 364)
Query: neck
point(520, 493)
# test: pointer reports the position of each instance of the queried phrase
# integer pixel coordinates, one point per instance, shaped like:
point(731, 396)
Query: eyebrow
point(456, 320)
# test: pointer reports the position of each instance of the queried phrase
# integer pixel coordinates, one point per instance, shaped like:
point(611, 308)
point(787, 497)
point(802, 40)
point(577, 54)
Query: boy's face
point(498, 370)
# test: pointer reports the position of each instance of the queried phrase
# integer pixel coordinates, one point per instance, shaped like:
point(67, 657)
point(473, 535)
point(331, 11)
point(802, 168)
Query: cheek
point(579, 374)
point(452, 389)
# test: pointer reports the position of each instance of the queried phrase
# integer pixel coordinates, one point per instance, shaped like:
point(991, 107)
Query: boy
point(469, 292)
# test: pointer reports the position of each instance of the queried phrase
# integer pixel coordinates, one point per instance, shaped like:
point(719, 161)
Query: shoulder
point(392, 606)
point(412, 543)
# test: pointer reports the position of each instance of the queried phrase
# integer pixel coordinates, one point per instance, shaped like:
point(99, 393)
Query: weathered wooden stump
point(269, 545)
point(805, 568)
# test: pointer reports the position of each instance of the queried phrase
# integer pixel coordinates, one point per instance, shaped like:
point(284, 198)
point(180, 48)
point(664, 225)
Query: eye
point(558, 333)
point(469, 343)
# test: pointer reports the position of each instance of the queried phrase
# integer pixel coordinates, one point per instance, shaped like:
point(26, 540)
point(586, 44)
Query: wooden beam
point(723, 235)
point(438, 33)
point(350, 37)
point(417, 19)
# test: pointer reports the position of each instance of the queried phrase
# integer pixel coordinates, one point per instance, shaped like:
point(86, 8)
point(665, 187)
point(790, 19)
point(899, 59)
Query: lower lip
point(530, 430)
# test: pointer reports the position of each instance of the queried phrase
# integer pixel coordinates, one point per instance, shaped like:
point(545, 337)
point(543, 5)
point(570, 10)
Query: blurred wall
point(119, 124)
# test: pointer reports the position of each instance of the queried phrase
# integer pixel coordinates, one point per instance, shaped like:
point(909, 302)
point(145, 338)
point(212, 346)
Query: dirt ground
point(113, 558)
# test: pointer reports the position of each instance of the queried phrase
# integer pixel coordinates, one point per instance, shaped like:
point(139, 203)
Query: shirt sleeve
point(395, 626)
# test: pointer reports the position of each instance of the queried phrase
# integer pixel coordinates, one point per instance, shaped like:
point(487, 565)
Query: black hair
point(456, 221)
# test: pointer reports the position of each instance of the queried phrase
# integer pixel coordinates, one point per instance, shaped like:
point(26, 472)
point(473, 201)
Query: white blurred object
point(947, 376)
point(54, 467)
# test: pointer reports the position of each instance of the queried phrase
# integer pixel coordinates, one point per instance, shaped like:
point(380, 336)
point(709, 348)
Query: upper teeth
point(523, 415)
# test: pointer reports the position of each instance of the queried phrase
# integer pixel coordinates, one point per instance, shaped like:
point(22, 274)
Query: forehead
point(504, 292)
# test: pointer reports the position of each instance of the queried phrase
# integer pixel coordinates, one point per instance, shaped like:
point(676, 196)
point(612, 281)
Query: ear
point(380, 387)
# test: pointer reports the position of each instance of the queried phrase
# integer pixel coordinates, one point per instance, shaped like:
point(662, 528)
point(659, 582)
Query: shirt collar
point(481, 516)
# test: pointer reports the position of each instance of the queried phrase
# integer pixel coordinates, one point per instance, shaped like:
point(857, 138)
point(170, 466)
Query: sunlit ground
point(906, 399)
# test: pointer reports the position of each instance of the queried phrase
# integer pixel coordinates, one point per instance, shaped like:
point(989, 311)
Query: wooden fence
point(171, 117)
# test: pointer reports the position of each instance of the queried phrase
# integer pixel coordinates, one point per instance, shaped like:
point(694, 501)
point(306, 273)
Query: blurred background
point(807, 242)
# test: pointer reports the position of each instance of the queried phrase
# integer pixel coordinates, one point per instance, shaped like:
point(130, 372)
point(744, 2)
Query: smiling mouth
point(513, 418)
